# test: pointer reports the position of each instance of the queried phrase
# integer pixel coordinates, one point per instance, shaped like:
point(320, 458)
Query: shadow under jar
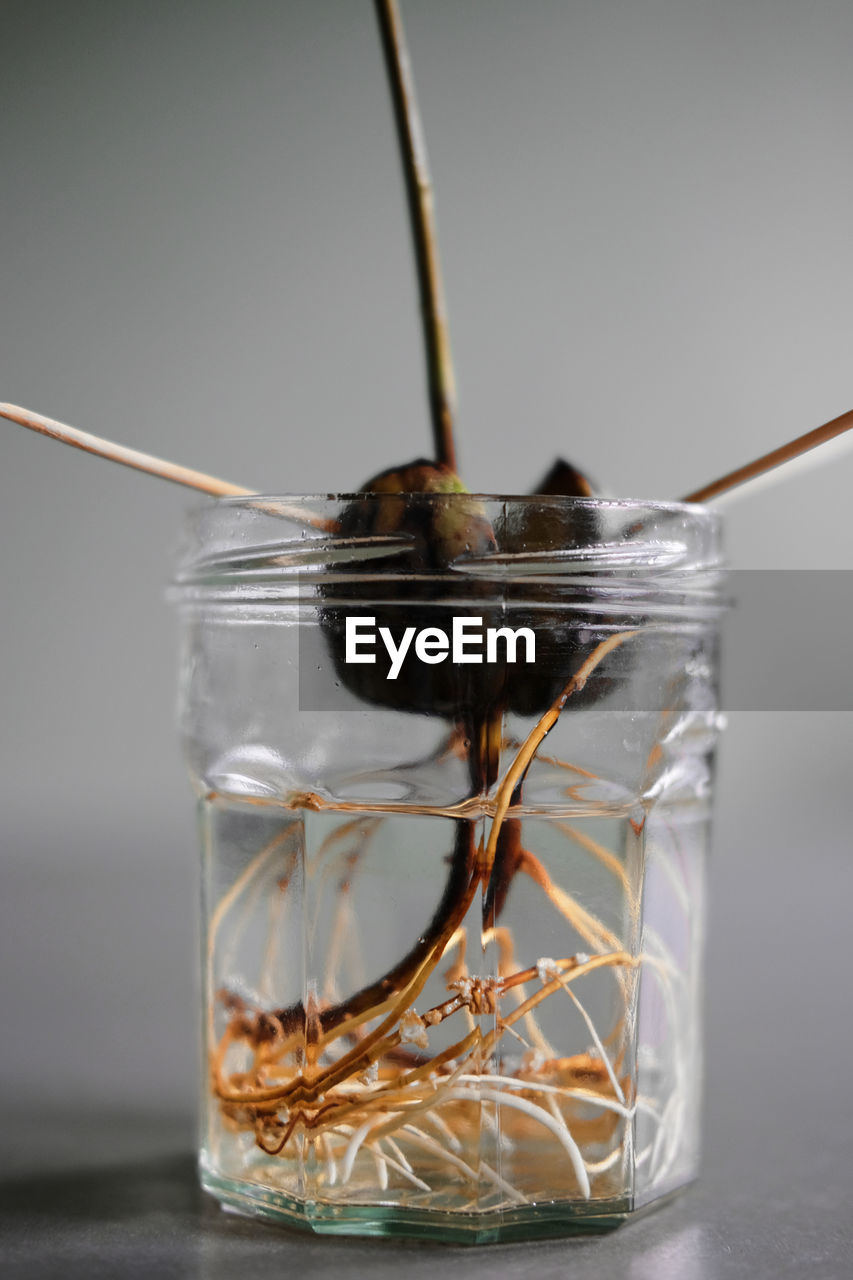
point(453, 915)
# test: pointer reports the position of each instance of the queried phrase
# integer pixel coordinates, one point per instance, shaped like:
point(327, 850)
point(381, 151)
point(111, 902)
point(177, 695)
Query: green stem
point(442, 386)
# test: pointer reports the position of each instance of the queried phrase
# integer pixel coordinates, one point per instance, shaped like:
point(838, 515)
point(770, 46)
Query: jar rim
point(698, 509)
point(255, 545)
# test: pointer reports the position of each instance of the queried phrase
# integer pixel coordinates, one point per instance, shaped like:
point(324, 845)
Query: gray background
point(645, 213)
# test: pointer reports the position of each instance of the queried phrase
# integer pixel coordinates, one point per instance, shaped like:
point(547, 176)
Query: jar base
point(534, 1222)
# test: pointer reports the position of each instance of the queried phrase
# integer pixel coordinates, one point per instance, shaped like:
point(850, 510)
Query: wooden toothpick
point(776, 458)
point(224, 488)
point(119, 453)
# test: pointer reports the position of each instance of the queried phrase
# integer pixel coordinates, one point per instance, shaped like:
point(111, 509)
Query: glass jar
point(453, 892)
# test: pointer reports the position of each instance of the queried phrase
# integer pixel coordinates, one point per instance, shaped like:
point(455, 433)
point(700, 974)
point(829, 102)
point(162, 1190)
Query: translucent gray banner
point(787, 642)
point(784, 643)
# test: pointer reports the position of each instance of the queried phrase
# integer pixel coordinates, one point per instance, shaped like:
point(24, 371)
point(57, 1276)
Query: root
point(358, 1079)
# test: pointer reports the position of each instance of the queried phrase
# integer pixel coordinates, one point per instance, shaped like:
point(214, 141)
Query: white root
point(355, 1143)
point(565, 1091)
point(423, 1140)
point(590, 1025)
point(594, 1167)
point(559, 1130)
point(405, 1170)
point(444, 1129)
point(397, 1151)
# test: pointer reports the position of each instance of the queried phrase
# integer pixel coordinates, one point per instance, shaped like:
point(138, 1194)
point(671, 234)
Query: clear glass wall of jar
point(453, 915)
